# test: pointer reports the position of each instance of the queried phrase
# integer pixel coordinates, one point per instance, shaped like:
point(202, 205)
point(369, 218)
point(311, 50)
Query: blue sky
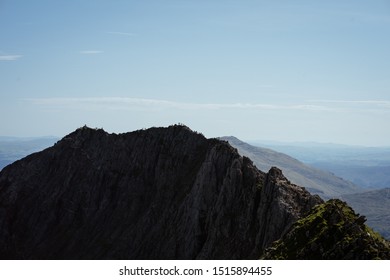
point(275, 70)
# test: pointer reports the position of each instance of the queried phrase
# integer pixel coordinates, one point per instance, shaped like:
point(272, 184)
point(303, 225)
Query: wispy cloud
point(122, 33)
point(91, 52)
point(123, 103)
point(147, 105)
point(10, 57)
point(378, 103)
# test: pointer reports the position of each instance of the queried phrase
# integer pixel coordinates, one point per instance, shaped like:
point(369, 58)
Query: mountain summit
point(160, 193)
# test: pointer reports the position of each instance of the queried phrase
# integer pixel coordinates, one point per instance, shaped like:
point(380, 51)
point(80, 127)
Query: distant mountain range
point(15, 148)
point(367, 167)
point(167, 193)
point(317, 181)
point(368, 176)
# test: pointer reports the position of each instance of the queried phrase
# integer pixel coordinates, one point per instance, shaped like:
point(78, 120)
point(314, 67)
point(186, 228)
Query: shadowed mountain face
point(316, 181)
point(161, 193)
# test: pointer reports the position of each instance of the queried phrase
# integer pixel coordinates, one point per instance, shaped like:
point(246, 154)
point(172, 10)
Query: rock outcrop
point(331, 231)
point(160, 193)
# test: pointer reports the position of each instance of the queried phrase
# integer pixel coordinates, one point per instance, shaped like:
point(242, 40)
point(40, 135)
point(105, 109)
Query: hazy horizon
point(249, 141)
point(292, 71)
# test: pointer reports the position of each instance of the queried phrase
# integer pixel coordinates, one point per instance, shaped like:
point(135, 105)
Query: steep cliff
point(161, 193)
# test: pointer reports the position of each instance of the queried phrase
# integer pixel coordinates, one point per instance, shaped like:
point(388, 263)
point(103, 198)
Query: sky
point(259, 70)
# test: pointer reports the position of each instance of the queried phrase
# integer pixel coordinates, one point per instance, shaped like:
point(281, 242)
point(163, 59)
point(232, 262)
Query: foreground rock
point(332, 231)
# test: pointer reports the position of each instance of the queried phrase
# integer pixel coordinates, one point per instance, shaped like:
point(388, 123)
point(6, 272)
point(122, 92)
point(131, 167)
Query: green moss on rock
point(331, 230)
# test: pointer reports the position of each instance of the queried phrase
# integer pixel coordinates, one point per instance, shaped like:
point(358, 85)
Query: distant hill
point(317, 181)
point(15, 148)
point(367, 167)
point(367, 176)
point(375, 205)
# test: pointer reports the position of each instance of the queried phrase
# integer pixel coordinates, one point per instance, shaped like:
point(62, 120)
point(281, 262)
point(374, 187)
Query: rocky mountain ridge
point(160, 193)
point(373, 204)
